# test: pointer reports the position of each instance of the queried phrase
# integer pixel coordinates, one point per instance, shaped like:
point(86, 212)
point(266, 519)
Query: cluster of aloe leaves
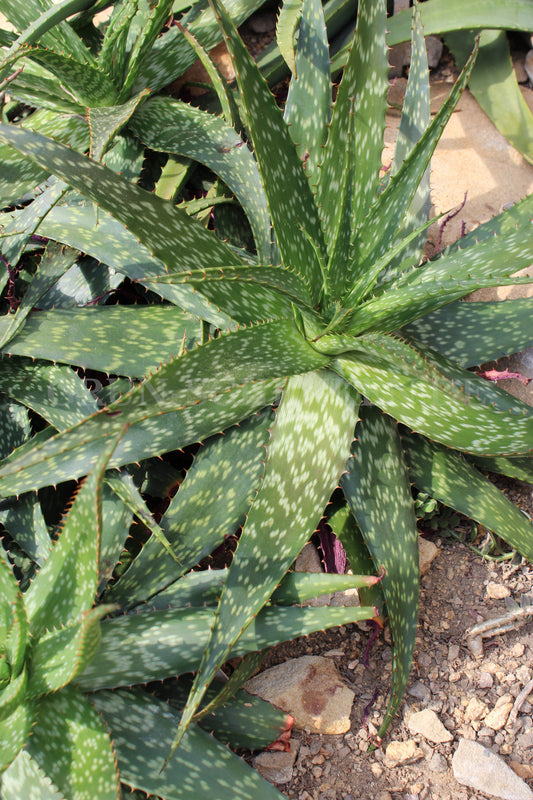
point(324, 370)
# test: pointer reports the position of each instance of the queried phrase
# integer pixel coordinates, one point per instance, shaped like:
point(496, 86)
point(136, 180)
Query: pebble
point(427, 551)
point(310, 689)
point(528, 65)
point(276, 766)
point(262, 23)
point(481, 769)
point(485, 680)
point(402, 753)
point(497, 718)
point(427, 724)
point(476, 709)
point(497, 591)
point(419, 691)
point(437, 763)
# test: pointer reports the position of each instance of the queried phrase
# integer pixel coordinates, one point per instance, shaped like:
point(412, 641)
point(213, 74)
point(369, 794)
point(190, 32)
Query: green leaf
point(14, 731)
point(56, 393)
point(138, 648)
point(519, 468)
point(24, 778)
point(446, 475)
point(304, 462)
point(72, 453)
point(54, 263)
point(106, 121)
point(89, 84)
point(248, 294)
point(190, 775)
point(62, 653)
point(72, 746)
point(438, 19)
point(473, 333)
point(118, 516)
point(61, 35)
point(173, 127)
point(365, 80)
point(384, 219)
point(14, 426)
point(23, 520)
point(66, 585)
point(297, 587)
point(92, 338)
point(436, 398)
point(287, 23)
point(19, 175)
point(308, 106)
point(159, 225)
point(379, 494)
point(493, 83)
point(159, 15)
point(210, 505)
point(296, 225)
point(110, 242)
point(113, 51)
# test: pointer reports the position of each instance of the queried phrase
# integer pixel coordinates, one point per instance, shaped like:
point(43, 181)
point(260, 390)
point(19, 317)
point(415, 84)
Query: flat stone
point(402, 753)
point(276, 766)
point(437, 763)
point(485, 680)
point(497, 591)
point(499, 715)
point(427, 551)
point(481, 769)
point(311, 690)
point(524, 771)
point(308, 560)
point(420, 691)
point(427, 724)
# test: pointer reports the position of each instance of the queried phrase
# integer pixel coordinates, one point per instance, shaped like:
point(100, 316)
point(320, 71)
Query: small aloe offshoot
point(337, 322)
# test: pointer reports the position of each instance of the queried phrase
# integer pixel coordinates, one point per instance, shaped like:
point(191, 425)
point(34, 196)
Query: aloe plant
point(334, 319)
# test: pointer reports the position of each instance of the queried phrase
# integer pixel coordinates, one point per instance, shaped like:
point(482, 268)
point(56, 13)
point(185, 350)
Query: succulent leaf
point(72, 746)
point(209, 506)
point(25, 778)
point(277, 528)
point(488, 330)
point(379, 494)
point(415, 391)
point(308, 106)
point(446, 475)
point(175, 127)
point(14, 731)
point(190, 775)
point(294, 214)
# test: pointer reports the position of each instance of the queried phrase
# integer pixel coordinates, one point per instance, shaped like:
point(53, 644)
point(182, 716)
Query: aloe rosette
point(335, 321)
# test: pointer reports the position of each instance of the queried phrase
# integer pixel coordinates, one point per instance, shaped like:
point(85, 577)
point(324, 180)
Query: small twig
point(492, 627)
point(519, 702)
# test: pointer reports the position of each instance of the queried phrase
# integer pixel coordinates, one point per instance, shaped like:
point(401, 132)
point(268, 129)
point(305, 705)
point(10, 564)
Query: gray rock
point(528, 65)
point(481, 769)
point(277, 766)
point(437, 763)
point(419, 691)
point(427, 724)
point(311, 690)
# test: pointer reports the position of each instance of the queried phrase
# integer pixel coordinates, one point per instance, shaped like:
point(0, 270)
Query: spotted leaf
point(379, 494)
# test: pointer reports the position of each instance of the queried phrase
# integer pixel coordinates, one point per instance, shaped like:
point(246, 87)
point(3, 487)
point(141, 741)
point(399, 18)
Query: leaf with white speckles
point(72, 746)
point(381, 225)
point(60, 654)
point(163, 228)
point(14, 731)
point(308, 106)
point(435, 397)
point(248, 294)
point(72, 453)
point(474, 333)
point(379, 494)
point(365, 83)
point(306, 456)
point(92, 338)
point(142, 647)
point(292, 208)
point(518, 467)
point(171, 126)
point(56, 393)
point(89, 85)
point(109, 241)
point(446, 475)
point(24, 778)
point(106, 121)
point(65, 587)
point(210, 505)
point(287, 23)
point(190, 775)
